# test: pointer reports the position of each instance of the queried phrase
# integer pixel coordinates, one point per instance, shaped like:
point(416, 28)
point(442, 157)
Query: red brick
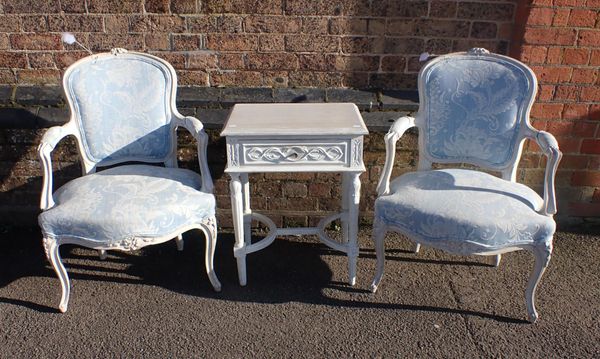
point(156, 6)
point(236, 78)
point(319, 62)
point(586, 178)
point(576, 56)
point(560, 128)
point(566, 92)
point(274, 24)
point(317, 43)
point(546, 92)
point(574, 111)
point(569, 2)
point(35, 41)
point(584, 129)
point(115, 6)
point(550, 36)
point(547, 110)
point(595, 58)
point(13, 60)
point(582, 18)
point(345, 26)
point(157, 41)
point(38, 76)
point(193, 78)
point(551, 74)
point(229, 61)
point(540, 16)
point(318, 25)
point(590, 146)
point(116, 23)
point(294, 189)
point(584, 75)
point(360, 63)
point(76, 23)
point(31, 6)
point(554, 55)
point(41, 60)
point(533, 54)
point(201, 60)
point(574, 162)
point(269, 43)
point(275, 78)
point(561, 16)
point(104, 42)
point(590, 94)
point(589, 38)
point(569, 144)
point(231, 42)
point(184, 6)
point(66, 59)
point(272, 61)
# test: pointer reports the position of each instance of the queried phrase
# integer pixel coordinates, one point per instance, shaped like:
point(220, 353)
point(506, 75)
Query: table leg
point(353, 201)
point(237, 211)
point(345, 194)
point(247, 210)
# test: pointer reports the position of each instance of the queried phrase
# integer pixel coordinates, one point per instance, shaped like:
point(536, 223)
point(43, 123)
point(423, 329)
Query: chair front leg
point(379, 231)
point(542, 255)
point(209, 227)
point(51, 249)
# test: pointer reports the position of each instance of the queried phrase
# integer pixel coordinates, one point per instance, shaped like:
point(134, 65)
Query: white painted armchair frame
point(546, 142)
point(54, 134)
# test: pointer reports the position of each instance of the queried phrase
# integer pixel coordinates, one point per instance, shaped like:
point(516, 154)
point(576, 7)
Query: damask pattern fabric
point(122, 109)
point(473, 110)
point(127, 201)
point(464, 211)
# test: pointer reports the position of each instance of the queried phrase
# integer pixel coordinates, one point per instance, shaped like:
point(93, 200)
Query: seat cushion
point(127, 202)
point(464, 211)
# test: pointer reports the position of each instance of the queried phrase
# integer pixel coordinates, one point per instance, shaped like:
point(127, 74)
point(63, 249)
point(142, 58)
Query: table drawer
point(285, 152)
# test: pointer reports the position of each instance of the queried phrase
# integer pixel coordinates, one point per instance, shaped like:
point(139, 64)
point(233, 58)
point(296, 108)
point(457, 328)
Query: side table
point(321, 137)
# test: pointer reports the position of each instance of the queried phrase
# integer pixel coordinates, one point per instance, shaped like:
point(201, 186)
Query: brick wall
point(232, 51)
point(281, 43)
point(560, 40)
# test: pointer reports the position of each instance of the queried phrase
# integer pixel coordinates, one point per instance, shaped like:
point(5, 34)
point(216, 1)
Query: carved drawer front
point(288, 153)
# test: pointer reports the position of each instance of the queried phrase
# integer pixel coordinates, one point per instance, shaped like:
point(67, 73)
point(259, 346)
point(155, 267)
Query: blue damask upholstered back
point(122, 105)
point(474, 109)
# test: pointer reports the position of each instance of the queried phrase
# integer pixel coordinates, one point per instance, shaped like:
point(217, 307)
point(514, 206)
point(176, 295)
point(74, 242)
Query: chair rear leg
point(209, 227)
point(51, 249)
point(379, 231)
point(542, 255)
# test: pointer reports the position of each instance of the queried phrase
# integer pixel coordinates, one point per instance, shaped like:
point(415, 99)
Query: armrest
point(396, 131)
point(50, 139)
point(195, 127)
point(549, 146)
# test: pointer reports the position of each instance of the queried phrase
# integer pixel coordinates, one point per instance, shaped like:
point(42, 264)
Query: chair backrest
point(474, 108)
point(122, 103)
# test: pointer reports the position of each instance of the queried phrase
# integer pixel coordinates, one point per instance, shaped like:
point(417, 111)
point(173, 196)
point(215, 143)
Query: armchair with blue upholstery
point(474, 109)
point(123, 115)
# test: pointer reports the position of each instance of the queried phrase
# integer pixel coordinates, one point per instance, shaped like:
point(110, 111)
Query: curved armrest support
point(549, 146)
point(396, 131)
point(195, 127)
point(50, 139)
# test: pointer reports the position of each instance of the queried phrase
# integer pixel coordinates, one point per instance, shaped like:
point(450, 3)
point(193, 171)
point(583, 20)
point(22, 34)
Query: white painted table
point(294, 138)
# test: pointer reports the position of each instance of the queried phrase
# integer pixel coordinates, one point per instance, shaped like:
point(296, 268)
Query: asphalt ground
point(158, 303)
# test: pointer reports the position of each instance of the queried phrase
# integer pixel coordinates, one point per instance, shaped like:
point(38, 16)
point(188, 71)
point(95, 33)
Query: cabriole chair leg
point(210, 232)
point(51, 249)
point(379, 231)
point(542, 255)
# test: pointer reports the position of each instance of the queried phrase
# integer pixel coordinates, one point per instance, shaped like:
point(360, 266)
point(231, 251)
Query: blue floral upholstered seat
point(474, 109)
point(123, 110)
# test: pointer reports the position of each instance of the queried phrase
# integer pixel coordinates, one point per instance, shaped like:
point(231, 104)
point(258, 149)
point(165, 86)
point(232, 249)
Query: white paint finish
point(53, 135)
point(294, 119)
point(542, 249)
point(294, 138)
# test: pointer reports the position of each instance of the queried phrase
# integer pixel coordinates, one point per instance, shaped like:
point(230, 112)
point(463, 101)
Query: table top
point(294, 119)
